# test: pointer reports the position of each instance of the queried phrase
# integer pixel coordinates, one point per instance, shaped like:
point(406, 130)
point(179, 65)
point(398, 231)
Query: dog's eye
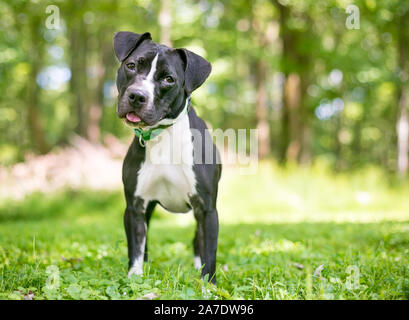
point(130, 66)
point(169, 79)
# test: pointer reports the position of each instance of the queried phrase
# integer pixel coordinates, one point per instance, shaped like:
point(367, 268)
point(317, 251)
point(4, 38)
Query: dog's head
point(154, 80)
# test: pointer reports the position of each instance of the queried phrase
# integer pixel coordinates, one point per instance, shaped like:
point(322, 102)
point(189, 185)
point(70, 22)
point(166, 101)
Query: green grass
point(276, 229)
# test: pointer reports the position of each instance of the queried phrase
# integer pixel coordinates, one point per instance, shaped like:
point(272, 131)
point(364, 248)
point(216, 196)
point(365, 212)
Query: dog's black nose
point(137, 98)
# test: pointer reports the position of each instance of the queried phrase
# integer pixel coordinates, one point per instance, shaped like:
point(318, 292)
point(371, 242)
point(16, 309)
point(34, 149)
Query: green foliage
point(71, 245)
point(233, 35)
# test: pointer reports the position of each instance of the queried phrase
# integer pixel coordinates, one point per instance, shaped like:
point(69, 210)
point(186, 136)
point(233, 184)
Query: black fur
point(189, 72)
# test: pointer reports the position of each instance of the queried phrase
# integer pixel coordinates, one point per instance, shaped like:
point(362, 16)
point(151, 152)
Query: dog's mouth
point(132, 117)
point(133, 120)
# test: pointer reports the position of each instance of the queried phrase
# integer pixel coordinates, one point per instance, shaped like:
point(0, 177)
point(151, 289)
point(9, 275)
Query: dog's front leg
point(136, 229)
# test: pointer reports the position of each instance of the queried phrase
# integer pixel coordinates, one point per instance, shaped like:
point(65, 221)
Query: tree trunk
point(305, 133)
point(96, 105)
point(78, 65)
point(263, 125)
point(292, 102)
point(402, 128)
point(263, 37)
point(402, 125)
point(104, 65)
point(296, 135)
point(165, 22)
point(291, 83)
point(34, 121)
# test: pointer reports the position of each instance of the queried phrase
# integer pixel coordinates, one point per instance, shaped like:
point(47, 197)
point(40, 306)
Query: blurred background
point(320, 90)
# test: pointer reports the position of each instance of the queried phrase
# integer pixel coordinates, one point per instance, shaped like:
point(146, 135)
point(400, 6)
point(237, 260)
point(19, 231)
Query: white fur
point(197, 262)
point(167, 174)
point(148, 84)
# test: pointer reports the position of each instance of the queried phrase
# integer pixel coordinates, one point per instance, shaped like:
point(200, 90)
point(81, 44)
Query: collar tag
point(145, 135)
point(141, 141)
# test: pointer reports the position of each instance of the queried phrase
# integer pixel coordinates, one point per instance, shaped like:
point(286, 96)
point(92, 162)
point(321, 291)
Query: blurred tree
point(294, 64)
point(35, 49)
point(263, 35)
point(79, 51)
point(316, 90)
point(402, 125)
point(165, 22)
point(102, 63)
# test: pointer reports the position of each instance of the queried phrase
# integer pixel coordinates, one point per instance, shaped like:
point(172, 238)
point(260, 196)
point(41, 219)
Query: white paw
point(197, 262)
point(137, 270)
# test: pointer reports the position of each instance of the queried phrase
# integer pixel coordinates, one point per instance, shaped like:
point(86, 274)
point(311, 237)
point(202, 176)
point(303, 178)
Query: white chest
point(167, 174)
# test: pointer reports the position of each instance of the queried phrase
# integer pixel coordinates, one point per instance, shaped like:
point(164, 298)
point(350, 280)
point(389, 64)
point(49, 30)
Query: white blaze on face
point(148, 84)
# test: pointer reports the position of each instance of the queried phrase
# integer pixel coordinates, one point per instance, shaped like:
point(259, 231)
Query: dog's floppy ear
point(197, 69)
point(125, 42)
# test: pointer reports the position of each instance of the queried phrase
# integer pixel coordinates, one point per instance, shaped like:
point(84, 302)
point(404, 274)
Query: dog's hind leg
point(197, 261)
point(148, 213)
point(206, 236)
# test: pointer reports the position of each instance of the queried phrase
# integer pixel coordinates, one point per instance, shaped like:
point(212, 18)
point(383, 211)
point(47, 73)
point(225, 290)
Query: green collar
point(145, 135)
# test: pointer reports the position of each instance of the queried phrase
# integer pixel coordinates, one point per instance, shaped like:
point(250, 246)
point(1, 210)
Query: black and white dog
point(167, 163)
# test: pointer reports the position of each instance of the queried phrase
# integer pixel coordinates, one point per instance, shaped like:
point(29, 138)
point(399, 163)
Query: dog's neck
point(173, 145)
point(170, 122)
point(151, 132)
